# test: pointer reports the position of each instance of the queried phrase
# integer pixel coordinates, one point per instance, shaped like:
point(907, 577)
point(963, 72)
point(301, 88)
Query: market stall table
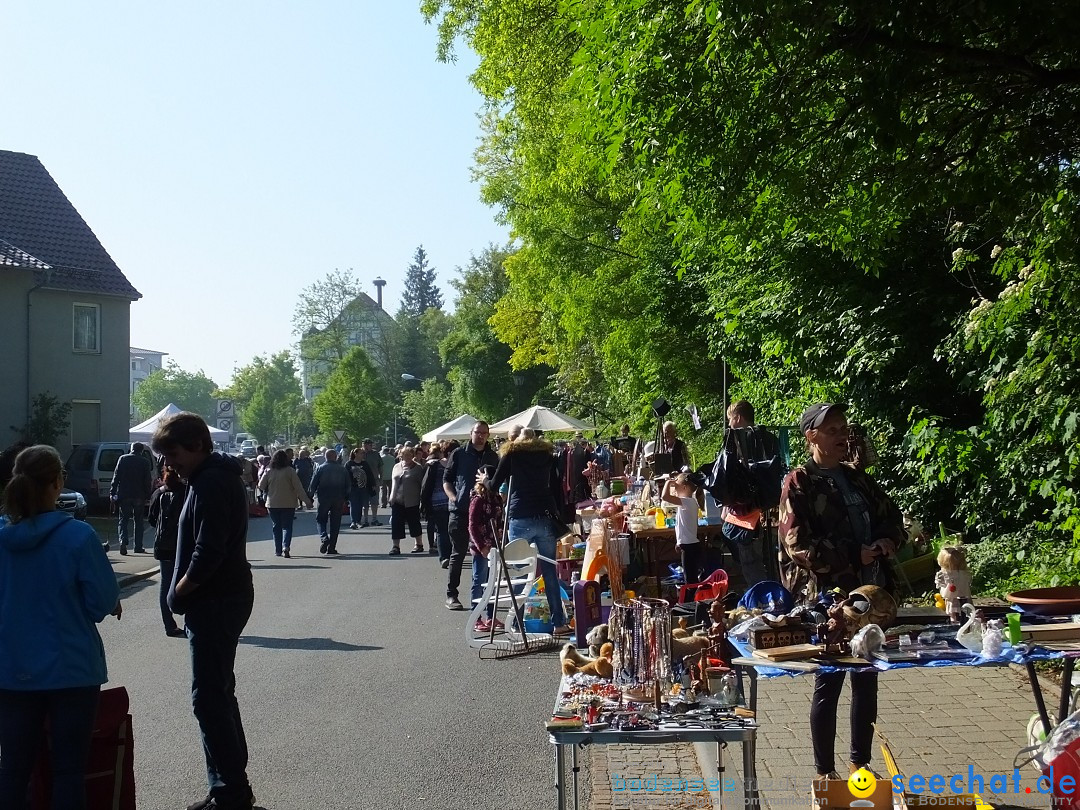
point(658, 546)
point(669, 729)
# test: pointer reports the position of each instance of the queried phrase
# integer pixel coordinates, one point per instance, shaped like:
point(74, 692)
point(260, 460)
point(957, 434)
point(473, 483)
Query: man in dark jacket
point(132, 485)
point(458, 482)
point(212, 588)
point(331, 484)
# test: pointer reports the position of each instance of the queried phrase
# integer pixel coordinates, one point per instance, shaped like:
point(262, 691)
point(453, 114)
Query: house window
point(86, 328)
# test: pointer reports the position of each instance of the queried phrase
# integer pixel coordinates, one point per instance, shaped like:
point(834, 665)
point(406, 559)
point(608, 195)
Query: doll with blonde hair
point(953, 581)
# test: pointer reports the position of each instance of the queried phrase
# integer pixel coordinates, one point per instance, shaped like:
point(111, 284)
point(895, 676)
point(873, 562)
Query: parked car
point(90, 470)
point(73, 503)
point(249, 449)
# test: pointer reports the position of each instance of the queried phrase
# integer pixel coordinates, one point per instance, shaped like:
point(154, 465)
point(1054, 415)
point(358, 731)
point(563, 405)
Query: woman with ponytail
point(55, 585)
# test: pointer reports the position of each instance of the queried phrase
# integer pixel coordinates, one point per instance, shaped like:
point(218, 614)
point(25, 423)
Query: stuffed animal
point(689, 645)
point(573, 661)
point(597, 637)
point(953, 581)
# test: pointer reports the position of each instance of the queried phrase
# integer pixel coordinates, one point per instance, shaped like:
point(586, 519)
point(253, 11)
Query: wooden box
point(765, 638)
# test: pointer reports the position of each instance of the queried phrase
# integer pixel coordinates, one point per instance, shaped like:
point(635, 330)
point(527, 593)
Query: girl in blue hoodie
point(55, 585)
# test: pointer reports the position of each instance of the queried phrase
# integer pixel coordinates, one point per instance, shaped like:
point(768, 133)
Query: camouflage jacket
point(818, 547)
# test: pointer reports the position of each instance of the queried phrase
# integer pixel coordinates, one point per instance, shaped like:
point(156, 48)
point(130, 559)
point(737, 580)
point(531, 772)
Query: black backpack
point(748, 472)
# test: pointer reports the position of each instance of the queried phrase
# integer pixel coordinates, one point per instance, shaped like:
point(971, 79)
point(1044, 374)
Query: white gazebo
point(459, 429)
point(144, 431)
point(540, 418)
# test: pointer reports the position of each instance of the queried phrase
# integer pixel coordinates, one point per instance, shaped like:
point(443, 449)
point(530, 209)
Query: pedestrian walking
point(305, 469)
point(132, 485)
point(164, 515)
point(56, 584)
point(212, 588)
point(387, 459)
point(283, 490)
point(407, 481)
point(330, 485)
point(434, 503)
point(458, 482)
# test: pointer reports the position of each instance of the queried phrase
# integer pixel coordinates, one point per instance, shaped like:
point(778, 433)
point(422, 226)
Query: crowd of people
point(837, 528)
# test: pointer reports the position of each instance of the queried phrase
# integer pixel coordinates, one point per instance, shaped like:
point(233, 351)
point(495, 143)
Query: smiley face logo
point(861, 784)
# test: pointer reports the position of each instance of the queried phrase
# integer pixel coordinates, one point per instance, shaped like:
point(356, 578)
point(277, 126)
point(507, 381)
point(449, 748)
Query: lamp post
point(519, 383)
point(404, 378)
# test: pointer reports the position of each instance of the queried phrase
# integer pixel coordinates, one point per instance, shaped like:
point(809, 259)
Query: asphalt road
point(355, 685)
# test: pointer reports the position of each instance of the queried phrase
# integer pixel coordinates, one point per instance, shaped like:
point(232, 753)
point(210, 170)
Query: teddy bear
point(573, 661)
point(596, 638)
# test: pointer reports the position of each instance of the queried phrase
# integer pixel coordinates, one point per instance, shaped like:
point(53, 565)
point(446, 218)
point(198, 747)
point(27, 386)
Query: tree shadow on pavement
point(304, 644)
point(271, 567)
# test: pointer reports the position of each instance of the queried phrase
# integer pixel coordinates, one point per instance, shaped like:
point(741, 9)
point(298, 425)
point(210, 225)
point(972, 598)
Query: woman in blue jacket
point(55, 585)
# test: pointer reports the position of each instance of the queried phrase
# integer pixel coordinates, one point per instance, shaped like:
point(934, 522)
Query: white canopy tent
point(459, 429)
point(540, 418)
point(144, 431)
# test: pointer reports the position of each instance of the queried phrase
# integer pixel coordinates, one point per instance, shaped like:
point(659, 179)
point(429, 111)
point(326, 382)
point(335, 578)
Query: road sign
point(226, 425)
point(225, 408)
point(340, 434)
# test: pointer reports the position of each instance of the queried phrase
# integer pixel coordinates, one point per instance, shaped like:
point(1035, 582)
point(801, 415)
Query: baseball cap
point(816, 414)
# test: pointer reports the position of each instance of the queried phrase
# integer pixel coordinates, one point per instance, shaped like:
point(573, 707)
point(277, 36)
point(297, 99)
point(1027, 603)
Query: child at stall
point(684, 492)
point(485, 518)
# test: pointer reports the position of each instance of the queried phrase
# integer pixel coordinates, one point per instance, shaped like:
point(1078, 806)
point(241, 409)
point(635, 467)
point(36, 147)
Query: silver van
point(90, 470)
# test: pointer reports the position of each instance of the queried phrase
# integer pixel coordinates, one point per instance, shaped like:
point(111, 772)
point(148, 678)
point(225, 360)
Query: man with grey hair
point(131, 488)
point(331, 484)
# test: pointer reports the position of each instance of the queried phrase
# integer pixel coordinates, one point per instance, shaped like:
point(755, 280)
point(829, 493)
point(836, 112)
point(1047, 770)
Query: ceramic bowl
point(1060, 601)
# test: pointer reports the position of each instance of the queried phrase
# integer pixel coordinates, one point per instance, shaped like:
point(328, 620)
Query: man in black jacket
point(458, 482)
point(212, 588)
point(132, 485)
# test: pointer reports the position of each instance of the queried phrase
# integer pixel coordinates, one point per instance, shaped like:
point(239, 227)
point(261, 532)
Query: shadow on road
point(304, 644)
point(279, 565)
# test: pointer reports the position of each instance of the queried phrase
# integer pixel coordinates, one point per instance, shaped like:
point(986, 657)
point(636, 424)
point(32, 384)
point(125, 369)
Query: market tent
point(144, 431)
point(459, 429)
point(540, 418)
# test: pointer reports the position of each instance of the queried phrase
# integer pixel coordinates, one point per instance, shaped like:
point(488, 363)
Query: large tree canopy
point(189, 391)
point(839, 199)
point(354, 399)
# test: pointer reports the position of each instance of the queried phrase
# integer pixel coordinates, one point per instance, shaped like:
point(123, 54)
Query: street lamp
point(404, 378)
point(519, 383)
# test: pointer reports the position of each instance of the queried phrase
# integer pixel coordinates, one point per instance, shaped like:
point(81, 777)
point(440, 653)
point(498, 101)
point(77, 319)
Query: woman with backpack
point(837, 529)
point(164, 515)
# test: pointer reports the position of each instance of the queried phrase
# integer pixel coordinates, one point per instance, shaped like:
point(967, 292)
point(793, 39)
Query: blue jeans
point(128, 510)
point(328, 519)
point(358, 501)
point(282, 521)
point(70, 714)
point(541, 531)
point(479, 580)
point(168, 566)
point(214, 625)
point(441, 520)
point(745, 547)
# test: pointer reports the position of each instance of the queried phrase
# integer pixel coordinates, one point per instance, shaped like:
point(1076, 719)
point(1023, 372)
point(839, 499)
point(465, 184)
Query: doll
point(953, 581)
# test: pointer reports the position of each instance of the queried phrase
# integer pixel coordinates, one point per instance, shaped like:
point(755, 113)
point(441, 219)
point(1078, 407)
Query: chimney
point(379, 283)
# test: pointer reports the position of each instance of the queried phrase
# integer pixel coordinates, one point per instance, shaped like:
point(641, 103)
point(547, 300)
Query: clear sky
point(229, 153)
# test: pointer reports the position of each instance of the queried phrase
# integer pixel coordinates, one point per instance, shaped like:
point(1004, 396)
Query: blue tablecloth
point(1009, 655)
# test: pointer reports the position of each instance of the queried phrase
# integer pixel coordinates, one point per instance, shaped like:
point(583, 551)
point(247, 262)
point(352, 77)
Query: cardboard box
point(834, 794)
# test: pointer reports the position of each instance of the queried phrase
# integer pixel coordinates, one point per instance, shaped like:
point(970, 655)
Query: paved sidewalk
point(938, 721)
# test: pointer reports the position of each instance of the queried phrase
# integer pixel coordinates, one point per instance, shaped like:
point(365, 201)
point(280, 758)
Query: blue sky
point(228, 154)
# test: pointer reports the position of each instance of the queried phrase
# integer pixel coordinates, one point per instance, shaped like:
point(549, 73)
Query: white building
point(363, 323)
point(143, 362)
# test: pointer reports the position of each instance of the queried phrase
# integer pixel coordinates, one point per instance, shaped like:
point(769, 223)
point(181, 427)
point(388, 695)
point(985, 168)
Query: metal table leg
point(1066, 689)
point(749, 766)
point(574, 769)
point(720, 769)
point(560, 787)
point(1036, 691)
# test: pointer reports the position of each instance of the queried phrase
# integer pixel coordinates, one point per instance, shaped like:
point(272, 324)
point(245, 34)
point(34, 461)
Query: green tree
point(267, 396)
point(428, 407)
point(49, 420)
point(189, 391)
point(420, 292)
point(354, 399)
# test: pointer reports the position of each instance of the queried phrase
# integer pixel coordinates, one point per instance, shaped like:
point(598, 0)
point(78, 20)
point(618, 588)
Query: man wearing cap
point(837, 530)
